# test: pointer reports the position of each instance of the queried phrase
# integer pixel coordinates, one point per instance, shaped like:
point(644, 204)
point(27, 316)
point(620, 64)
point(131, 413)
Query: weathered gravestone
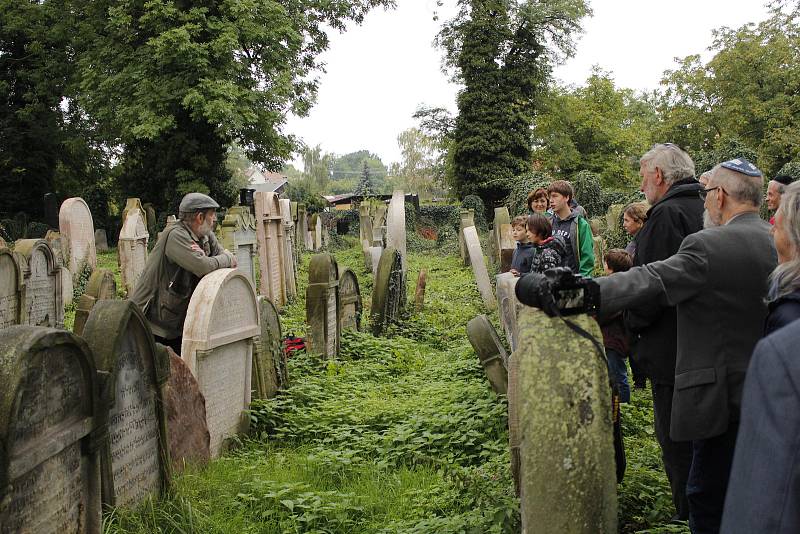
point(301, 229)
point(51, 433)
point(100, 240)
point(237, 234)
point(568, 476)
point(473, 244)
point(599, 247)
point(467, 218)
point(513, 397)
point(484, 340)
point(135, 461)
point(504, 244)
point(614, 216)
point(375, 254)
point(271, 247)
point(44, 298)
point(508, 305)
point(389, 291)
point(396, 226)
point(316, 232)
point(12, 289)
point(322, 306)
point(419, 293)
point(57, 245)
point(349, 301)
point(269, 360)
point(151, 219)
point(218, 336)
point(132, 249)
point(290, 273)
point(132, 205)
point(365, 233)
point(77, 229)
point(101, 286)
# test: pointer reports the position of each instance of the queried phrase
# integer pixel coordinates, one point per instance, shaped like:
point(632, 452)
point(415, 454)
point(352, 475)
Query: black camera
point(559, 291)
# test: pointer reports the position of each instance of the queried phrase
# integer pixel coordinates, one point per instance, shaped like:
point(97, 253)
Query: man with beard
point(186, 251)
point(676, 211)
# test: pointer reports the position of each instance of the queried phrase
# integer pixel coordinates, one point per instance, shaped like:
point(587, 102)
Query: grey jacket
point(718, 282)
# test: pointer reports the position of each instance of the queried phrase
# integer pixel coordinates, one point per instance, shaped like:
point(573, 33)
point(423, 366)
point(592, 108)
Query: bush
point(588, 193)
point(440, 215)
point(791, 169)
point(724, 149)
point(517, 200)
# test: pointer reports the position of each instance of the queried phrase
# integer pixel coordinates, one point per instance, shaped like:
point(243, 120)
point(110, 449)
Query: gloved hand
point(559, 292)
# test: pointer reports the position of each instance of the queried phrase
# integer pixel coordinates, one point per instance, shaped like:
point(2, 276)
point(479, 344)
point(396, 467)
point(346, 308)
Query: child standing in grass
point(523, 254)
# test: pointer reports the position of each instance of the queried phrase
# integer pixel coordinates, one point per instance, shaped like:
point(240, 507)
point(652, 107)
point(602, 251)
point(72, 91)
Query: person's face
point(630, 224)
point(539, 204)
point(712, 216)
point(782, 244)
point(652, 183)
point(558, 201)
point(519, 233)
point(534, 238)
point(773, 195)
point(206, 221)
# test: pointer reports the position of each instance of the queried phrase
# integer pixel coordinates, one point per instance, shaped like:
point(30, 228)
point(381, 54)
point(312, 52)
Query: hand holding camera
point(559, 292)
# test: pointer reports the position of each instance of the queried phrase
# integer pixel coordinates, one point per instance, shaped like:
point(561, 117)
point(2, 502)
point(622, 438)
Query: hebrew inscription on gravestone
point(389, 292)
point(77, 228)
point(271, 247)
point(322, 305)
point(44, 304)
point(349, 301)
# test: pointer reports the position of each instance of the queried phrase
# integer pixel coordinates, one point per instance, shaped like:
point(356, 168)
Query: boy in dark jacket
point(573, 228)
point(523, 254)
point(615, 338)
point(550, 250)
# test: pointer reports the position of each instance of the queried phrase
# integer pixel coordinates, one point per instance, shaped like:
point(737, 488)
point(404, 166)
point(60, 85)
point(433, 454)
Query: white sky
point(378, 74)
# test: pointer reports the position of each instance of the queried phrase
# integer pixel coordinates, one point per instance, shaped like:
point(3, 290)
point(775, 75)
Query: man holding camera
point(718, 282)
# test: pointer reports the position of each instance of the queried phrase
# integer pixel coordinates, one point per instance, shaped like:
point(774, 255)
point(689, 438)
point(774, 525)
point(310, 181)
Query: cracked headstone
point(322, 306)
point(486, 343)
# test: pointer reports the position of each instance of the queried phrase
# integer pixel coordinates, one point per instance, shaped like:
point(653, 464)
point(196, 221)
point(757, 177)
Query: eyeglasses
point(704, 192)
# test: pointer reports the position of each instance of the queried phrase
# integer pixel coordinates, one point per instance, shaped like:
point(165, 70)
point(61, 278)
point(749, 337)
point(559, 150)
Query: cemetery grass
point(400, 434)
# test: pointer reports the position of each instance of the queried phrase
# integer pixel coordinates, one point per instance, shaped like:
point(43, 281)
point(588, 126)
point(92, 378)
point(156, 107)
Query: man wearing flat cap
point(775, 189)
point(186, 251)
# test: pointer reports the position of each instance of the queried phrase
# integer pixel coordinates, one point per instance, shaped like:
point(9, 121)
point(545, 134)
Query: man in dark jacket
point(677, 211)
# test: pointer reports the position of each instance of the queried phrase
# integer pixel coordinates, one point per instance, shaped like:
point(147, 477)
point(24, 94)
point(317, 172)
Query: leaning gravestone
point(290, 272)
point(396, 226)
point(513, 397)
point(389, 292)
point(503, 242)
point(269, 360)
point(473, 244)
point(77, 229)
point(322, 306)
point(51, 433)
point(507, 305)
point(467, 218)
point(349, 301)
point(135, 462)
point(100, 240)
point(218, 336)
point(101, 286)
point(483, 338)
point(44, 299)
point(12, 289)
point(568, 481)
point(271, 247)
point(132, 249)
point(237, 234)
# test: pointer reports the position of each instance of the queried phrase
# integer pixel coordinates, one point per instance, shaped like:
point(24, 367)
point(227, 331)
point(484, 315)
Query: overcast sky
point(377, 74)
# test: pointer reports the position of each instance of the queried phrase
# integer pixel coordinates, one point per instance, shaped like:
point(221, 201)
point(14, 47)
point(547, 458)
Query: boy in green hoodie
point(573, 228)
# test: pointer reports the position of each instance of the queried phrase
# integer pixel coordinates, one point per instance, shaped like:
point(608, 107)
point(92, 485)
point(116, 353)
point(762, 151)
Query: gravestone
point(218, 336)
point(133, 205)
point(322, 306)
point(614, 216)
point(185, 409)
point(132, 248)
point(51, 433)
point(316, 232)
point(365, 233)
point(77, 230)
point(135, 462)
point(504, 244)
point(349, 301)
point(467, 218)
point(508, 306)
point(568, 475)
point(290, 272)
point(599, 247)
point(151, 219)
point(12, 289)
point(301, 229)
point(101, 286)
point(419, 293)
point(44, 298)
point(100, 240)
point(479, 266)
point(269, 360)
point(484, 340)
point(375, 254)
point(513, 397)
point(389, 291)
point(271, 247)
point(396, 226)
point(237, 234)
point(51, 206)
point(379, 218)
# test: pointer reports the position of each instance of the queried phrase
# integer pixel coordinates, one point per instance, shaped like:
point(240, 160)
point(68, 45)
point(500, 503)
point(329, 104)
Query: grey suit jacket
point(718, 282)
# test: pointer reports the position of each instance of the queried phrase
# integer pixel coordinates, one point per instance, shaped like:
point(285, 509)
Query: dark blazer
point(654, 327)
point(717, 281)
point(782, 311)
point(764, 488)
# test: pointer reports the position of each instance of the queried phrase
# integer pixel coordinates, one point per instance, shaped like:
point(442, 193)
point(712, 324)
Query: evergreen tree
point(365, 186)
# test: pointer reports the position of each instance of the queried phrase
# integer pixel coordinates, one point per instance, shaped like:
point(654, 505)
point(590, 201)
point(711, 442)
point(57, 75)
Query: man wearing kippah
point(186, 251)
point(775, 190)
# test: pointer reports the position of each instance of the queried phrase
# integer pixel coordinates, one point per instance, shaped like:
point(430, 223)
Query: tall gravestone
point(568, 477)
point(322, 306)
point(301, 230)
point(132, 248)
point(218, 336)
point(396, 226)
point(50, 433)
point(101, 286)
point(269, 360)
point(12, 289)
point(466, 219)
point(389, 291)
point(365, 232)
point(271, 247)
point(483, 338)
point(316, 232)
point(100, 240)
point(473, 244)
point(503, 242)
point(77, 229)
point(135, 462)
point(290, 272)
point(237, 234)
point(131, 205)
point(349, 301)
point(44, 299)
point(508, 305)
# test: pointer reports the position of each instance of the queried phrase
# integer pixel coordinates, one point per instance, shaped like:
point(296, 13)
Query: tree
point(317, 166)
point(365, 187)
point(419, 167)
point(350, 166)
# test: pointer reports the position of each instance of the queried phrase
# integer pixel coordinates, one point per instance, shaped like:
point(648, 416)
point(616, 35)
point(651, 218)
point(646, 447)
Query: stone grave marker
point(301, 230)
point(568, 475)
point(375, 254)
point(100, 240)
point(396, 226)
point(51, 433)
point(12, 289)
point(389, 291)
point(614, 216)
point(513, 397)
point(473, 244)
point(379, 218)
point(51, 206)
point(504, 244)
point(467, 218)
point(419, 293)
point(77, 229)
point(599, 247)
point(58, 247)
point(101, 286)
point(349, 301)
point(508, 306)
point(365, 233)
point(218, 336)
point(132, 248)
point(322, 306)
point(483, 338)
point(44, 298)
point(151, 218)
point(290, 273)
point(131, 205)
point(135, 462)
point(237, 234)
point(271, 247)
point(316, 232)
point(269, 360)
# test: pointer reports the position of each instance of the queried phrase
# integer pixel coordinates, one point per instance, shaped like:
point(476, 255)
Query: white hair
point(675, 164)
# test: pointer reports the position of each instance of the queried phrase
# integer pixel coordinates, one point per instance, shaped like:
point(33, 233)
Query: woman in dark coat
point(784, 293)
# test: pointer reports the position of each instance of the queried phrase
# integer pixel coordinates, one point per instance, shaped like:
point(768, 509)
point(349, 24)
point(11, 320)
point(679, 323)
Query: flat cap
point(743, 166)
point(197, 201)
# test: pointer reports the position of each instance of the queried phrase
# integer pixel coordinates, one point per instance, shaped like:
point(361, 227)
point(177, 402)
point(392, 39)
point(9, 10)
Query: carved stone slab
point(12, 295)
point(375, 254)
point(389, 292)
point(508, 306)
point(77, 228)
point(100, 240)
point(131, 205)
point(290, 274)
point(467, 218)
point(132, 248)
point(349, 301)
point(396, 226)
point(483, 338)
point(237, 234)
point(504, 244)
point(135, 461)
point(365, 232)
point(218, 336)
point(271, 247)
point(101, 286)
point(301, 231)
point(322, 306)
point(479, 266)
point(44, 299)
point(50, 433)
point(316, 232)
point(269, 360)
